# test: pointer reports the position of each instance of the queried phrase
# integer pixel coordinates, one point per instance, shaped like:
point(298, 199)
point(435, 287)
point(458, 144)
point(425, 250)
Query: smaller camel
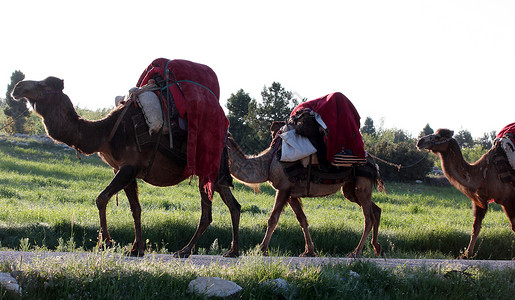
point(267, 167)
point(478, 181)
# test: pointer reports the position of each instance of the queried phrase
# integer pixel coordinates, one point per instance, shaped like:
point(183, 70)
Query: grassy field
point(47, 198)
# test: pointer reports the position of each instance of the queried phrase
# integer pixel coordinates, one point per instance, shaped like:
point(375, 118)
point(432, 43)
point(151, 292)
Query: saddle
point(501, 161)
point(309, 124)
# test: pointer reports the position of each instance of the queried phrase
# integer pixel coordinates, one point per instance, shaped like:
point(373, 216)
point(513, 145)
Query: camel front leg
point(281, 198)
point(296, 206)
point(138, 247)
point(235, 210)
point(376, 213)
point(122, 178)
point(479, 214)
point(509, 209)
point(205, 219)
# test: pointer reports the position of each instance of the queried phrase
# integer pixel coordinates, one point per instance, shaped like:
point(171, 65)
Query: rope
point(398, 166)
point(14, 119)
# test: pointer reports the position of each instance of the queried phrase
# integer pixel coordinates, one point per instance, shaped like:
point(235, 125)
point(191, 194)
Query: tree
point(15, 111)
point(485, 142)
point(368, 127)
point(427, 130)
point(276, 106)
point(241, 109)
point(464, 138)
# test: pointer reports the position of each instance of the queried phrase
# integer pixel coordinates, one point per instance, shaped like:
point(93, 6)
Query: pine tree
point(368, 127)
point(427, 130)
point(16, 111)
point(276, 106)
point(241, 109)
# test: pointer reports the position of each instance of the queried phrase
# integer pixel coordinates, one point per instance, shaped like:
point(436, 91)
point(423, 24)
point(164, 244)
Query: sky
point(404, 63)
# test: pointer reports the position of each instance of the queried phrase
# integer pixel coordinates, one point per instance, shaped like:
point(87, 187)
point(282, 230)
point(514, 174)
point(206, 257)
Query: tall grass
point(47, 198)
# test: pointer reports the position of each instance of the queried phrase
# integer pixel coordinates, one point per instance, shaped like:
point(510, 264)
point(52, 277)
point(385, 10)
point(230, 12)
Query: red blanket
point(343, 123)
point(196, 93)
point(510, 128)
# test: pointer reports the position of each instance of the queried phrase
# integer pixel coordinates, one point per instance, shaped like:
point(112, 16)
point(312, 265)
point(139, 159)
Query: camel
point(120, 151)
point(478, 181)
point(266, 167)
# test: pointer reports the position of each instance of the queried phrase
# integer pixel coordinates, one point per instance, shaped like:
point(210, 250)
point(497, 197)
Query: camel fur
point(266, 167)
point(120, 151)
point(479, 181)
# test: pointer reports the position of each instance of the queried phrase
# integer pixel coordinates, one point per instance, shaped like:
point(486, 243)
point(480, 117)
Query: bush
point(398, 148)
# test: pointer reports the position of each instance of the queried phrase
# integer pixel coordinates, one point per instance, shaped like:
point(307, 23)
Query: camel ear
point(60, 85)
point(55, 83)
point(452, 133)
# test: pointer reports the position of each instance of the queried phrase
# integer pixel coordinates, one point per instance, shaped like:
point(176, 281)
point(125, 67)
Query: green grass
point(47, 194)
point(47, 198)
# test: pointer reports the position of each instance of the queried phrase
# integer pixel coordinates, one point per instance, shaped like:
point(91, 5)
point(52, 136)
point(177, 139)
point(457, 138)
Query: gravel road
point(206, 260)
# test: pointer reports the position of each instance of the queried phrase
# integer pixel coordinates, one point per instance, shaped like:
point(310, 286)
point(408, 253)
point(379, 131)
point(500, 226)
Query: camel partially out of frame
point(479, 181)
point(267, 167)
point(120, 151)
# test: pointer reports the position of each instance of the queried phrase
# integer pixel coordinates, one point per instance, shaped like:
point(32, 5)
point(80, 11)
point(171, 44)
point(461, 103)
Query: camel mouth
point(422, 144)
point(16, 94)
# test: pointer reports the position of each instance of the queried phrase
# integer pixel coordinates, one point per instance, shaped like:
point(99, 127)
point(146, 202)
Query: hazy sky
point(405, 63)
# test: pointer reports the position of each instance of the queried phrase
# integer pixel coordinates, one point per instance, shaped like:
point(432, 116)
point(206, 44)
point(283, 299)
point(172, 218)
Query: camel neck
point(460, 173)
point(249, 169)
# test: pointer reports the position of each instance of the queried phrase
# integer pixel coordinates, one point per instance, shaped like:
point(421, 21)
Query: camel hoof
point(102, 245)
point(231, 253)
point(308, 254)
point(135, 253)
point(378, 250)
point(181, 254)
point(353, 255)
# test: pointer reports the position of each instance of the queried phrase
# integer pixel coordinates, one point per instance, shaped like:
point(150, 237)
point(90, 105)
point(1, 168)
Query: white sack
point(509, 149)
point(149, 103)
point(295, 146)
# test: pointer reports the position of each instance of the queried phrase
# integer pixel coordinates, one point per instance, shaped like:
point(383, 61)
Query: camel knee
point(205, 220)
point(101, 201)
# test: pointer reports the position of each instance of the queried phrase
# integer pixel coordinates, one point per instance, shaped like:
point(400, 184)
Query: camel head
point(49, 102)
point(38, 91)
point(436, 142)
point(46, 96)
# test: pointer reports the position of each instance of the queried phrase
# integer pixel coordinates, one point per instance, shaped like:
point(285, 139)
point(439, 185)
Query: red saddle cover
point(510, 128)
point(196, 93)
point(343, 123)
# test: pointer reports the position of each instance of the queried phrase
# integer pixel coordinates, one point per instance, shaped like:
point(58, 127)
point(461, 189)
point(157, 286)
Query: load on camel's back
point(329, 126)
point(180, 98)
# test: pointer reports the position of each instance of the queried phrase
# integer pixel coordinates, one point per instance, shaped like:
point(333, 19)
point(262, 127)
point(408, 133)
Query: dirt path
point(26, 257)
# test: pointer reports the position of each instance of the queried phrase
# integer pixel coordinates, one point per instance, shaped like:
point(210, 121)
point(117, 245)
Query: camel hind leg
point(206, 218)
point(360, 192)
point(235, 210)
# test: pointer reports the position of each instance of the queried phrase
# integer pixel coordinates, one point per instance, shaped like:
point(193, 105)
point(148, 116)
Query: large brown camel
point(478, 181)
point(120, 151)
point(266, 167)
